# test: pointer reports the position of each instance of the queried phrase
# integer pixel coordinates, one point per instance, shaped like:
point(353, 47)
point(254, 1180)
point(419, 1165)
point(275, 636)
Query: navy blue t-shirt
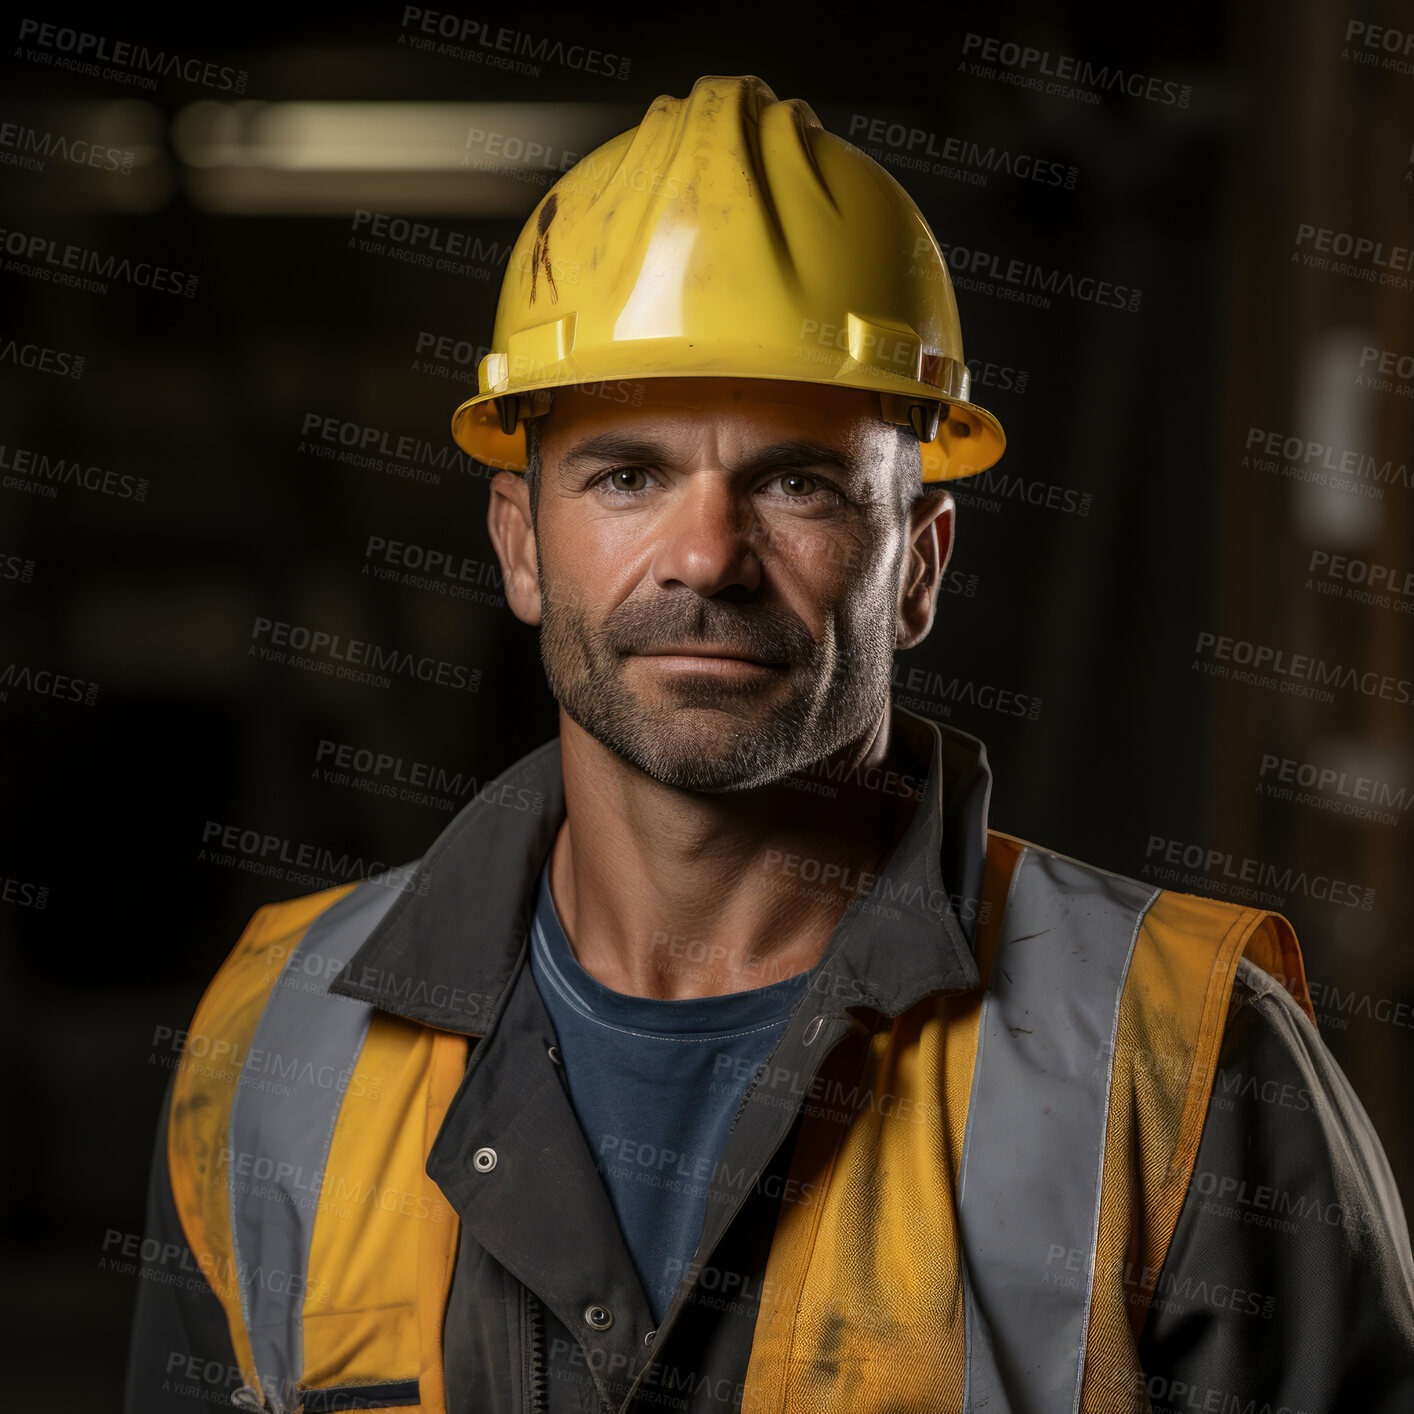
point(655, 1085)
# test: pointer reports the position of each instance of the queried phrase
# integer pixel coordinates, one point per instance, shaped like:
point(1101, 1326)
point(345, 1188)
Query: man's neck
point(672, 894)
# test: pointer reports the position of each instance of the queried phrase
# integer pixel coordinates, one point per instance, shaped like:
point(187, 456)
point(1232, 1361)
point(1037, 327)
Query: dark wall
point(163, 497)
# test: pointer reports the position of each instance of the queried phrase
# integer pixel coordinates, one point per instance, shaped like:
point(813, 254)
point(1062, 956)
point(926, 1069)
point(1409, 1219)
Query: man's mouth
point(707, 657)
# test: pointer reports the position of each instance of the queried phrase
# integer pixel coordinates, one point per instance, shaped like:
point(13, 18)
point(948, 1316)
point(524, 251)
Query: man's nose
point(708, 538)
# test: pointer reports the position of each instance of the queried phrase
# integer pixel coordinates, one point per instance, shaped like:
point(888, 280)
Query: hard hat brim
point(969, 439)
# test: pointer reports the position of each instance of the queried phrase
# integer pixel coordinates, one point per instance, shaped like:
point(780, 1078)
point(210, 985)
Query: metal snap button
point(600, 1317)
point(812, 1031)
point(484, 1160)
point(648, 1338)
point(554, 1054)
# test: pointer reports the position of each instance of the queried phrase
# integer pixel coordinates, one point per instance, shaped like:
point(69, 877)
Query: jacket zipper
point(535, 1350)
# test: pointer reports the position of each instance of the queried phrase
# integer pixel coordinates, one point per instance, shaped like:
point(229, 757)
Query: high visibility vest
point(994, 1177)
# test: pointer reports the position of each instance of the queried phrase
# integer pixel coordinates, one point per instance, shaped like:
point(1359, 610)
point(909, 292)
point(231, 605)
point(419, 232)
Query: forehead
point(744, 410)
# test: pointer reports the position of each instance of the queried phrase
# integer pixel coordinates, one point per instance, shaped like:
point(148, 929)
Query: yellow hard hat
point(730, 236)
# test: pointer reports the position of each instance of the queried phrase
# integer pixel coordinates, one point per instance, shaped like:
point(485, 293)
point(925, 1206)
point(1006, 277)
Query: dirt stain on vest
point(541, 253)
point(830, 1347)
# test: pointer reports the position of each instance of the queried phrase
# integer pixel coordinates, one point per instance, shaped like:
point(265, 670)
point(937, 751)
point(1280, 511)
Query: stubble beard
point(709, 734)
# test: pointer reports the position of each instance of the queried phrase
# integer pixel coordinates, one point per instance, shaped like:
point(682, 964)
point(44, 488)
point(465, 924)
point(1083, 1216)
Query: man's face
point(719, 571)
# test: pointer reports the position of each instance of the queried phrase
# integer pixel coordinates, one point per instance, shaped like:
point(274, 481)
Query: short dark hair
point(533, 429)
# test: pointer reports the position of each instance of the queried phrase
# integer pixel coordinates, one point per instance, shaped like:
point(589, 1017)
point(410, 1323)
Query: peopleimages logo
point(1063, 75)
point(1379, 368)
point(42, 682)
point(1341, 468)
point(43, 475)
point(296, 862)
point(41, 358)
point(83, 52)
point(535, 162)
point(30, 148)
point(918, 150)
point(1368, 259)
point(1379, 46)
point(1298, 674)
point(987, 490)
point(401, 230)
point(929, 691)
point(501, 47)
point(1022, 281)
point(23, 894)
point(356, 444)
point(1166, 858)
point(43, 258)
point(1326, 788)
point(1364, 582)
point(448, 357)
point(333, 654)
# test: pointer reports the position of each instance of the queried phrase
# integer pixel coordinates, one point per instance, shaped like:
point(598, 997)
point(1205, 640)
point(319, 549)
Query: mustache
point(760, 631)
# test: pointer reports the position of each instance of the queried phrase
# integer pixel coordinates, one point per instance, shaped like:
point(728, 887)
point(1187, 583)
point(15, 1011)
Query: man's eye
point(626, 479)
point(796, 486)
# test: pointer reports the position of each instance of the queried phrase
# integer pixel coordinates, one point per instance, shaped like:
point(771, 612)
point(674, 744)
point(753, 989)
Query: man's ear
point(926, 556)
point(512, 530)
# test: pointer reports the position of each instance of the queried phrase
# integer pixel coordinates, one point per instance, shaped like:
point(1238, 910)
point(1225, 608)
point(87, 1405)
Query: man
point(718, 1056)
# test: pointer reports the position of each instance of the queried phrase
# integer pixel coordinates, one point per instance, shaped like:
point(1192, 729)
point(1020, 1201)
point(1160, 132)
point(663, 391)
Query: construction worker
point(718, 1055)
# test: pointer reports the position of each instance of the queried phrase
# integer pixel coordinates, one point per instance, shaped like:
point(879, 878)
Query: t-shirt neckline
point(730, 1013)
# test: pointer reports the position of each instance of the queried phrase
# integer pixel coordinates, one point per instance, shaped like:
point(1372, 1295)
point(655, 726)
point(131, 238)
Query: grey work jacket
point(547, 1312)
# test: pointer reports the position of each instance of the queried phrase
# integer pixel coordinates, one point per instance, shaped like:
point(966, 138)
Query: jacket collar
point(456, 936)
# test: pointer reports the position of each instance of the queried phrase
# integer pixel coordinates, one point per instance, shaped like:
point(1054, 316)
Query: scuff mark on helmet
point(541, 254)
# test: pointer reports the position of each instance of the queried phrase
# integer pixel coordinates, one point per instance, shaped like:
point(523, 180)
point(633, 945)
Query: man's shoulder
point(285, 920)
point(1274, 1054)
point(301, 943)
point(268, 1027)
point(1289, 1272)
point(1275, 1074)
point(1006, 850)
point(1212, 945)
point(1287, 1147)
point(1264, 1004)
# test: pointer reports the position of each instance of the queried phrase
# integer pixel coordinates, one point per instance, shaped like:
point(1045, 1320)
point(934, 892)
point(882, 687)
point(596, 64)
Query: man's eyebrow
point(778, 456)
point(782, 456)
point(613, 446)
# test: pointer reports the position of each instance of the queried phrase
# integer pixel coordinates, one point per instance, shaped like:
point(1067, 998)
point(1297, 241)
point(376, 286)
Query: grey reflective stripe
point(287, 1101)
point(982, 1382)
point(1032, 1158)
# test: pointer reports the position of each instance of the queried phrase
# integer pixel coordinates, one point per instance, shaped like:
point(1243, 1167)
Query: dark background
point(1140, 417)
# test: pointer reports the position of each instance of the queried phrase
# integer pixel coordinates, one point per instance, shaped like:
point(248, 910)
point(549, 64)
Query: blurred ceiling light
point(303, 158)
point(1337, 509)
